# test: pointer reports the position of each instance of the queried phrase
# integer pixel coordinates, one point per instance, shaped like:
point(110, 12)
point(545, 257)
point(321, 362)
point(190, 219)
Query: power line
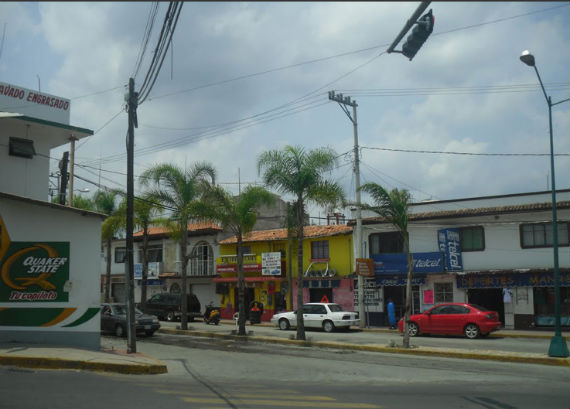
point(461, 153)
point(146, 37)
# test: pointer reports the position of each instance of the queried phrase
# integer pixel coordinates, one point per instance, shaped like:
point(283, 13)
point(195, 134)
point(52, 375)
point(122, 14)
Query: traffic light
point(420, 33)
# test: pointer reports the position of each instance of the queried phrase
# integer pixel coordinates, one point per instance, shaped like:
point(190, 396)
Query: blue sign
point(397, 263)
point(450, 244)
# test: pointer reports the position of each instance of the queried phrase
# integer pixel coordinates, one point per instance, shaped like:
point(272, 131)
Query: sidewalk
point(48, 357)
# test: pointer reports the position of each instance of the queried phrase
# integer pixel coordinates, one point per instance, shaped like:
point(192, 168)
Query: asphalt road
point(211, 373)
point(382, 338)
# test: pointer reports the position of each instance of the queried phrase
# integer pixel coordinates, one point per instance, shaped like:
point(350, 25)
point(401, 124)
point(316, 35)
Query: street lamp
point(558, 347)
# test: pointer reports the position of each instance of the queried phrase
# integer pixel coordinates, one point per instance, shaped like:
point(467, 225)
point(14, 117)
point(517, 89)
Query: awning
point(248, 279)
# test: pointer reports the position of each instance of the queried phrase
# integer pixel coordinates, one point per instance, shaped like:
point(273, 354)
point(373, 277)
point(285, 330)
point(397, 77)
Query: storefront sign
point(398, 263)
point(271, 264)
point(393, 280)
point(232, 268)
point(450, 244)
point(33, 103)
point(511, 280)
point(365, 267)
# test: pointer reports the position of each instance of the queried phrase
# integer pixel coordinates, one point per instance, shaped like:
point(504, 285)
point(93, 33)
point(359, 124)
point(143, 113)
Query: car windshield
point(478, 307)
point(121, 309)
point(335, 308)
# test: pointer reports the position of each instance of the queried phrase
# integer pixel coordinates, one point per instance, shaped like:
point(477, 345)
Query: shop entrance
point(249, 296)
point(491, 298)
point(398, 296)
point(317, 294)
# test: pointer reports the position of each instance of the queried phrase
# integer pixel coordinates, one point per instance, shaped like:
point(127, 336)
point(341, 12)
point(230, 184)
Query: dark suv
point(168, 306)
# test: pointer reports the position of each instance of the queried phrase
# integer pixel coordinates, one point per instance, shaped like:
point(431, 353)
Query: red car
point(453, 319)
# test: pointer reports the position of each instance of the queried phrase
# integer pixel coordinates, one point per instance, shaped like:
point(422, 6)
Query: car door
point(309, 316)
point(106, 320)
point(319, 314)
point(461, 318)
point(436, 319)
point(153, 305)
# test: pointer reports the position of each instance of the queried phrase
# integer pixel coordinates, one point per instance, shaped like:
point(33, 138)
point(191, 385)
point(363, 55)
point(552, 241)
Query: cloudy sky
point(243, 78)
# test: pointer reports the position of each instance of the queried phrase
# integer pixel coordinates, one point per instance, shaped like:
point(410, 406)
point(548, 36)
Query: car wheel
point(120, 331)
point(413, 329)
point(471, 331)
point(170, 316)
point(284, 324)
point(328, 326)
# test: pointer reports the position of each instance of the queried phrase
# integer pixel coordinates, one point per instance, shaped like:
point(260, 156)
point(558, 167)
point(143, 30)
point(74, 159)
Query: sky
point(244, 78)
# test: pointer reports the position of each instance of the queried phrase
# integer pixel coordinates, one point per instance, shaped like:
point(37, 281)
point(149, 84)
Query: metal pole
point(129, 273)
point(71, 169)
point(363, 318)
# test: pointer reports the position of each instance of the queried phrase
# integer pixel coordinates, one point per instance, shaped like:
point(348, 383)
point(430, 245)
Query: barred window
point(320, 250)
point(443, 292)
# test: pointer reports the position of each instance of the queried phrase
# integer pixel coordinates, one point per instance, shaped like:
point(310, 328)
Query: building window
point(443, 292)
point(320, 250)
point(202, 260)
point(381, 243)
point(23, 148)
point(153, 253)
point(472, 238)
point(540, 235)
point(120, 254)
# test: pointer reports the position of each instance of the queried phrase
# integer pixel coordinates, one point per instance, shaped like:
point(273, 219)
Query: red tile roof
point(281, 234)
point(192, 228)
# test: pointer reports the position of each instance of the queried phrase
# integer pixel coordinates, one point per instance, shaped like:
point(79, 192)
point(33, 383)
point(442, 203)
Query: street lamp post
point(558, 347)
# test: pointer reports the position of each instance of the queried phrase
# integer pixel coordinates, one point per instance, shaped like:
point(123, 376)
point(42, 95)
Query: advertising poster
point(271, 264)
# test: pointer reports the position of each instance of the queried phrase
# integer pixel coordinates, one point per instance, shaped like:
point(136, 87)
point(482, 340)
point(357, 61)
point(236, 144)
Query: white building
point(49, 254)
point(504, 261)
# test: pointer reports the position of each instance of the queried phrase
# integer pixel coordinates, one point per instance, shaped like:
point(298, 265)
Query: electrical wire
point(462, 153)
point(146, 37)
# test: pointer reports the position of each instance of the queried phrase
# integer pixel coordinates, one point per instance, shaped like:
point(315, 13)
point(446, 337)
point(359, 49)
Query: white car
point(327, 316)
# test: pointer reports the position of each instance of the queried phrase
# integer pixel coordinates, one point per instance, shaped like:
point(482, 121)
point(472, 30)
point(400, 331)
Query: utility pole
point(63, 176)
point(342, 102)
point(132, 102)
point(71, 169)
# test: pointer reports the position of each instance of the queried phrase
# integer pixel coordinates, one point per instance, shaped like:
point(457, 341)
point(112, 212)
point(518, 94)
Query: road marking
point(252, 395)
point(288, 403)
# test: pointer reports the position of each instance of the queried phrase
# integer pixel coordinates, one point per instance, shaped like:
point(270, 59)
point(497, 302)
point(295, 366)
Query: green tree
point(82, 202)
point(295, 171)
point(146, 213)
point(393, 206)
point(237, 214)
point(179, 190)
point(106, 203)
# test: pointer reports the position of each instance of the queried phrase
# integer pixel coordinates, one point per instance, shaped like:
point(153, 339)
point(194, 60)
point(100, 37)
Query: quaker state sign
point(32, 271)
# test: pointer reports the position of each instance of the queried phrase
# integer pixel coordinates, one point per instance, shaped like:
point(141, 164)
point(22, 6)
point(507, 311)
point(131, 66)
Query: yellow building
point(270, 269)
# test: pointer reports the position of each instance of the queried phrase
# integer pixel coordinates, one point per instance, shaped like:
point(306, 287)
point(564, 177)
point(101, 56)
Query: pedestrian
point(391, 314)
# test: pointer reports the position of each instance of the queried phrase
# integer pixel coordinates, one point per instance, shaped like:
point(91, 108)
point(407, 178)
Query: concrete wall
point(79, 323)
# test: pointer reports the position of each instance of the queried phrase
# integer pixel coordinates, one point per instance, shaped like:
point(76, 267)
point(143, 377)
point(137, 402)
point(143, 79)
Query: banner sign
point(450, 244)
point(365, 267)
point(507, 280)
point(394, 263)
point(152, 273)
point(271, 264)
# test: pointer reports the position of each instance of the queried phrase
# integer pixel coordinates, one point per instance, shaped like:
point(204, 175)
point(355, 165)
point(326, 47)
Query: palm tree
point(82, 202)
point(145, 214)
point(178, 190)
point(237, 214)
point(105, 202)
point(393, 207)
point(296, 171)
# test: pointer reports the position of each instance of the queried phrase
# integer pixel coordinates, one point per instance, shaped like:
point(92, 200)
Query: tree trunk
point(408, 306)
point(108, 273)
point(300, 321)
point(183, 243)
point(144, 267)
point(241, 285)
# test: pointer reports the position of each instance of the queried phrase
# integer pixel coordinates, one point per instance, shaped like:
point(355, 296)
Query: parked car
point(168, 306)
point(114, 319)
point(327, 316)
point(470, 320)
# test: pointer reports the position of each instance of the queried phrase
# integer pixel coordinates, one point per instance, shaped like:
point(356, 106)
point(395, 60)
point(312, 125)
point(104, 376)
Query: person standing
point(391, 314)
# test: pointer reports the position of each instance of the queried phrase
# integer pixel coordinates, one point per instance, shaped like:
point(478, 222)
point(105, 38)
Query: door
point(438, 320)
point(315, 316)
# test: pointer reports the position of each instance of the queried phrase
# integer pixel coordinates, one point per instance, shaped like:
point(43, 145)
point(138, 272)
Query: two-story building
point(49, 254)
point(270, 269)
point(495, 251)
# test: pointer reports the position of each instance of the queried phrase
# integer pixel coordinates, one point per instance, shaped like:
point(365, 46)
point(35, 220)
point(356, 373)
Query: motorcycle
point(212, 315)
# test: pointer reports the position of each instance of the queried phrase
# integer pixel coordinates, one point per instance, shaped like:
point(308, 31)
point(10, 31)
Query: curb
point(499, 356)
point(57, 363)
